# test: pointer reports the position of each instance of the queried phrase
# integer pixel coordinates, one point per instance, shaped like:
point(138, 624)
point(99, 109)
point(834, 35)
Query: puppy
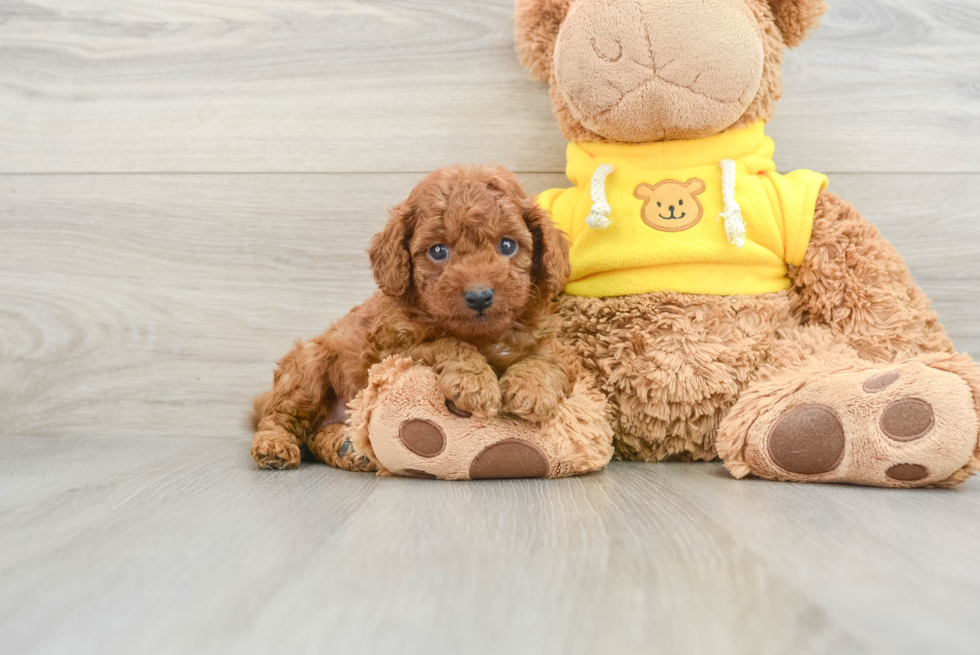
point(468, 267)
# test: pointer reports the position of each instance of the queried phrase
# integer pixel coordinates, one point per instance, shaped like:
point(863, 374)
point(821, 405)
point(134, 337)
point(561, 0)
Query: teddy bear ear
point(536, 25)
point(797, 18)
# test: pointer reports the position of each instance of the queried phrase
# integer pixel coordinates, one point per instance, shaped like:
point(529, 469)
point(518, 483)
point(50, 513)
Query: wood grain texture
point(407, 86)
point(140, 311)
point(152, 305)
point(182, 545)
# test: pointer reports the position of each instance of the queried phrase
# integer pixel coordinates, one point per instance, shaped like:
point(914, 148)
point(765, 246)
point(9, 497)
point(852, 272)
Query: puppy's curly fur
point(499, 358)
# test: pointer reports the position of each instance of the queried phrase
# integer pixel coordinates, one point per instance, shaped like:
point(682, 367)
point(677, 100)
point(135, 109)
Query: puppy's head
point(472, 250)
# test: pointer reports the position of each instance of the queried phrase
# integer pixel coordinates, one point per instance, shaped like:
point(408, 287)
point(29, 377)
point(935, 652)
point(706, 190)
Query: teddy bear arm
point(855, 283)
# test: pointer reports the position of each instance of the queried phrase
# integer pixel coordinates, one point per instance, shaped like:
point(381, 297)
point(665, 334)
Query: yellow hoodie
point(656, 218)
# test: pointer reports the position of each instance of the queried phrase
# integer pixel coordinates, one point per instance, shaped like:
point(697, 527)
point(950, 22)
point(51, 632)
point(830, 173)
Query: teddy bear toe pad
point(422, 437)
point(910, 426)
point(511, 458)
point(807, 440)
point(908, 419)
point(907, 472)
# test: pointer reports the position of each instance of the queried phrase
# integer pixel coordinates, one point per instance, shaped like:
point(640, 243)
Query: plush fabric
point(626, 86)
point(841, 419)
point(842, 372)
point(674, 366)
point(796, 18)
point(537, 27)
point(642, 252)
point(402, 423)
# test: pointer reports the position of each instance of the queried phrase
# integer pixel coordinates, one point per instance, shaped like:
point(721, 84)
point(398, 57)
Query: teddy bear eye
point(680, 202)
point(439, 252)
point(659, 205)
point(507, 247)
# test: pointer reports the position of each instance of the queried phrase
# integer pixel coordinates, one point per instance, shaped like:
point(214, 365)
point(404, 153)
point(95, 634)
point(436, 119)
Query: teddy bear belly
point(672, 364)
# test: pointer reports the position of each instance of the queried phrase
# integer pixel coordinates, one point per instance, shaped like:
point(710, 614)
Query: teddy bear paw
point(903, 426)
point(414, 431)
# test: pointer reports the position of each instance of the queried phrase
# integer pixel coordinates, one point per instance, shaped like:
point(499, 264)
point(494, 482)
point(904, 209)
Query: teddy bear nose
point(671, 209)
point(478, 299)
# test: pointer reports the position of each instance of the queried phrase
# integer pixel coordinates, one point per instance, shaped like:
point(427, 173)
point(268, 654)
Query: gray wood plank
point(156, 304)
point(182, 545)
point(399, 86)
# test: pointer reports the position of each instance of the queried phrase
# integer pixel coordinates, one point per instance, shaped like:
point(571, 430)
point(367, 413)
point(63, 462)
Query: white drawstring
point(732, 213)
point(599, 216)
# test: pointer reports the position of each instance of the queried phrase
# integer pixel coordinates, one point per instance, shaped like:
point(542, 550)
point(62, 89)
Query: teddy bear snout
point(646, 70)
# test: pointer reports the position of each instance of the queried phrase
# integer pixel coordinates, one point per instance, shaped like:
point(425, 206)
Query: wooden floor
point(186, 187)
point(180, 545)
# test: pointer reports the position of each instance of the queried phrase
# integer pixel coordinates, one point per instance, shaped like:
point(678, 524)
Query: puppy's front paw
point(475, 392)
point(275, 450)
point(528, 400)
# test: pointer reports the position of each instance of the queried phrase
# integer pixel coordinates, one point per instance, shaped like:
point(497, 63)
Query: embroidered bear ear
point(797, 18)
point(536, 25)
point(695, 186)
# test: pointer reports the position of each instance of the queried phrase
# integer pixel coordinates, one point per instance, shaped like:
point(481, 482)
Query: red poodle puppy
point(468, 267)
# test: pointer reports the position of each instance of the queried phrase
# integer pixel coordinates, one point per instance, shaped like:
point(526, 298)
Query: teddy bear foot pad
point(903, 426)
point(509, 458)
point(404, 423)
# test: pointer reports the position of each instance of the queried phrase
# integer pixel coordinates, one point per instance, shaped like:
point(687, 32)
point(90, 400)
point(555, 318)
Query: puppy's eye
point(680, 202)
point(507, 247)
point(659, 205)
point(439, 252)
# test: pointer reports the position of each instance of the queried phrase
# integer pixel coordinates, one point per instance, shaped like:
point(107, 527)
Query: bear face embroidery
point(671, 206)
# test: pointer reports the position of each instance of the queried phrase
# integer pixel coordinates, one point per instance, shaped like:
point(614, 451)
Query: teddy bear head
point(637, 71)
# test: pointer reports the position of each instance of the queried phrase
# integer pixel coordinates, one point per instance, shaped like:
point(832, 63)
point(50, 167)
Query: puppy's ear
point(536, 25)
point(797, 18)
point(391, 261)
point(550, 268)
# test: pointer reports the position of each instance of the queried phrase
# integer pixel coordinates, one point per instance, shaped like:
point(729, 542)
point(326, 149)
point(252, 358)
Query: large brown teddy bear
point(724, 309)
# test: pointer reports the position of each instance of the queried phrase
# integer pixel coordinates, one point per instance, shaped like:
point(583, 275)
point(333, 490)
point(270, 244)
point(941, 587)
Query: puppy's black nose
point(478, 299)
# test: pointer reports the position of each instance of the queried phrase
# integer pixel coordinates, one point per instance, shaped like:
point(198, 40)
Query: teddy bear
point(725, 310)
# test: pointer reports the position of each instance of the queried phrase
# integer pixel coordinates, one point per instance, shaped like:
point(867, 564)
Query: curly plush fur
point(689, 376)
point(422, 313)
